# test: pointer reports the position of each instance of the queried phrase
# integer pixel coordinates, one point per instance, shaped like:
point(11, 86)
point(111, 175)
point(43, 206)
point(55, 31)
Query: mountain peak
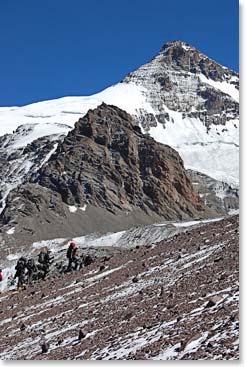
point(182, 55)
point(179, 56)
point(176, 44)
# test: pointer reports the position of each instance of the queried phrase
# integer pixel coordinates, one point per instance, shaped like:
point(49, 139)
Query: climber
point(70, 254)
point(76, 259)
point(1, 275)
point(20, 272)
point(44, 260)
point(31, 270)
point(48, 258)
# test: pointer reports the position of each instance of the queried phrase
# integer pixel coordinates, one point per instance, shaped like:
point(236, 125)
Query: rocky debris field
point(178, 299)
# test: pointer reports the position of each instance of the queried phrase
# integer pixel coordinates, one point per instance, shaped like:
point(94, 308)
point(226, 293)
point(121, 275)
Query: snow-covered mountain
point(181, 97)
point(163, 280)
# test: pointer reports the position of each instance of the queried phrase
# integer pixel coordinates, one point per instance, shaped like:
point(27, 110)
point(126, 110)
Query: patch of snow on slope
point(194, 345)
point(224, 87)
point(194, 222)
point(50, 244)
point(201, 150)
point(234, 211)
point(217, 160)
point(49, 154)
point(11, 230)
point(109, 239)
point(72, 208)
point(132, 342)
point(28, 133)
point(168, 353)
point(4, 284)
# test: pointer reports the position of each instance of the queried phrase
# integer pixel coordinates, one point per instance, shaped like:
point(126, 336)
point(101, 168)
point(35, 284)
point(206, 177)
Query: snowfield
point(67, 110)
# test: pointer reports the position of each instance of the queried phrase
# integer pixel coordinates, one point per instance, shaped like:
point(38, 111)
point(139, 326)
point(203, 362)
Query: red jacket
point(1, 277)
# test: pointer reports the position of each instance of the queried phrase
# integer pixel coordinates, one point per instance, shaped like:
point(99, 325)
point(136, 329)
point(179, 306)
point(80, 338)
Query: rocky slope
point(217, 195)
point(178, 299)
point(105, 175)
point(24, 151)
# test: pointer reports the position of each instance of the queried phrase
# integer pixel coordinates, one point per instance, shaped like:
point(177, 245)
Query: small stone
point(23, 326)
point(210, 303)
point(128, 316)
point(82, 335)
point(170, 306)
point(45, 347)
point(218, 259)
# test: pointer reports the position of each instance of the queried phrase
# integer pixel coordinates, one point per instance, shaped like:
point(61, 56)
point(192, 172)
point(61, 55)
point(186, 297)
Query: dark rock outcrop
point(106, 161)
point(107, 167)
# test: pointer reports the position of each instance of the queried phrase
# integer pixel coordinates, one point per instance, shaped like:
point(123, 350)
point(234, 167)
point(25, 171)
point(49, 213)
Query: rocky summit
point(103, 170)
point(185, 80)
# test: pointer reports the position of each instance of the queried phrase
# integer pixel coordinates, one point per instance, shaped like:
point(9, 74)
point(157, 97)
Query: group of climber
point(27, 270)
point(75, 261)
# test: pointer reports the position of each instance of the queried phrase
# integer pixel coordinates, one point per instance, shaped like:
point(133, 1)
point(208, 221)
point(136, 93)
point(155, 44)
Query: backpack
point(41, 257)
point(69, 252)
point(31, 265)
point(75, 252)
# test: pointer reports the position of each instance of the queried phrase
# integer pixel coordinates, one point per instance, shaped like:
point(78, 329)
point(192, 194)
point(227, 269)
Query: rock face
point(108, 164)
point(106, 161)
point(217, 195)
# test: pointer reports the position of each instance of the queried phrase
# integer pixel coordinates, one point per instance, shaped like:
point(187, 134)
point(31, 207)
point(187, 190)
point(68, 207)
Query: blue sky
point(54, 48)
